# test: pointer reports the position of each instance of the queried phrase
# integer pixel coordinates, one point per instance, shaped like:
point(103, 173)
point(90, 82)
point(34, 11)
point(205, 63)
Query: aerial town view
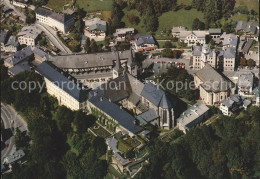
point(118, 89)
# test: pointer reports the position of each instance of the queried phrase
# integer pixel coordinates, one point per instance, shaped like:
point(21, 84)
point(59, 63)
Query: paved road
point(51, 33)
point(52, 36)
point(11, 120)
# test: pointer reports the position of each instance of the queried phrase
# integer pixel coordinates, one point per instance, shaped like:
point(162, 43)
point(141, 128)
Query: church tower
point(131, 64)
point(118, 69)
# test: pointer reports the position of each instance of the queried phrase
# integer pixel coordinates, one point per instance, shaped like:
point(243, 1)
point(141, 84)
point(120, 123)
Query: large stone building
point(250, 29)
point(95, 29)
point(96, 68)
point(53, 19)
point(147, 101)
point(213, 86)
point(195, 115)
point(221, 59)
point(29, 35)
point(11, 45)
point(66, 91)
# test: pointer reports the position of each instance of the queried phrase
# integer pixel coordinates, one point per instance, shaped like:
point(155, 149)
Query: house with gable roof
point(144, 42)
point(193, 37)
point(95, 29)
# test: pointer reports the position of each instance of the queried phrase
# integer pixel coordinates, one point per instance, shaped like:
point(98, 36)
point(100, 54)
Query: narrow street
point(11, 120)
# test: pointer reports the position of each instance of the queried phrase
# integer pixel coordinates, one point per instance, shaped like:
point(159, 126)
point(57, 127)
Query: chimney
point(109, 100)
point(95, 93)
point(121, 107)
point(101, 98)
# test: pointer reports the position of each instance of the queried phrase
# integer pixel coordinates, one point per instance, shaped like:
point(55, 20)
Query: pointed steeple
point(130, 61)
point(118, 66)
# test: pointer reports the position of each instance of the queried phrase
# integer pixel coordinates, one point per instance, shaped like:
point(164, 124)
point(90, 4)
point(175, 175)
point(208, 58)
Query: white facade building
point(58, 21)
point(193, 37)
point(29, 35)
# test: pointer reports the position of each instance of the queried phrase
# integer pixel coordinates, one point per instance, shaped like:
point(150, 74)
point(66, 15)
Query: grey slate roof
point(88, 60)
point(197, 50)
point(245, 79)
point(21, 67)
point(20, 55)
point(178, 29)
point(144, 39)
point(235, 99)
point(23, 54)
point(230, 52)
point(212, 80)
point(229, 39)
point(191, 114)
point(111, 109)
point(155, 96)
point(30, 31)
point(214, 31)
point(247, 46)
point(63, 18)
point(12, 41)
point(96, 23)
point(200, 34)
point(116, 89)
point(241, 25)
point(61, 81)
point(250, 27)
point(149, 115)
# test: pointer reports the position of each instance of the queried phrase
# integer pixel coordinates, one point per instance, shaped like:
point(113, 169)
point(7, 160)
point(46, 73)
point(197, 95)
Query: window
point(164, 116)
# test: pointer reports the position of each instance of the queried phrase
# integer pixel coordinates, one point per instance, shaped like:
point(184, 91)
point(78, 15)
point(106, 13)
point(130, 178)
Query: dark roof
point(247, 46)
point(57, 16)
point(117, 89)
point(20, 55)
point(149, 115)
point(114, 111)
point(144, 39)
point(19, 68)
point(155, 95)
point(61, 81)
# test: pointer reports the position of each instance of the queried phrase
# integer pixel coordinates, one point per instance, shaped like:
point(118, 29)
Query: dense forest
point(61, 146)
point(229, 148)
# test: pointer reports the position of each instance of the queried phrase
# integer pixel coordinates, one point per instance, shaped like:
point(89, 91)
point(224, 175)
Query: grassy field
point(99, 131)
point(88, 5)
point(166, 21)
point(140, 26)
point(95, 5)
point(251, 4)
point(178, 18)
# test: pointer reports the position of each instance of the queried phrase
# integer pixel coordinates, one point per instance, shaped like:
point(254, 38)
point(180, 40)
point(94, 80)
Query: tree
point(243, 62)
point(167, 44)
point(251, 62)
point(151, 22)
point(167, 52)
point(99, 146)
point(177, 53)
point(93, 46)
point(64, 118)
point(198, 25)
point(21, 139)
point(133, 19)
point(87, 46)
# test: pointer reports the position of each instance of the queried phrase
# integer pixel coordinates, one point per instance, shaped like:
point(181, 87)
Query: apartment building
point(29, 35)
point(58, 21)
point(67, 92)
